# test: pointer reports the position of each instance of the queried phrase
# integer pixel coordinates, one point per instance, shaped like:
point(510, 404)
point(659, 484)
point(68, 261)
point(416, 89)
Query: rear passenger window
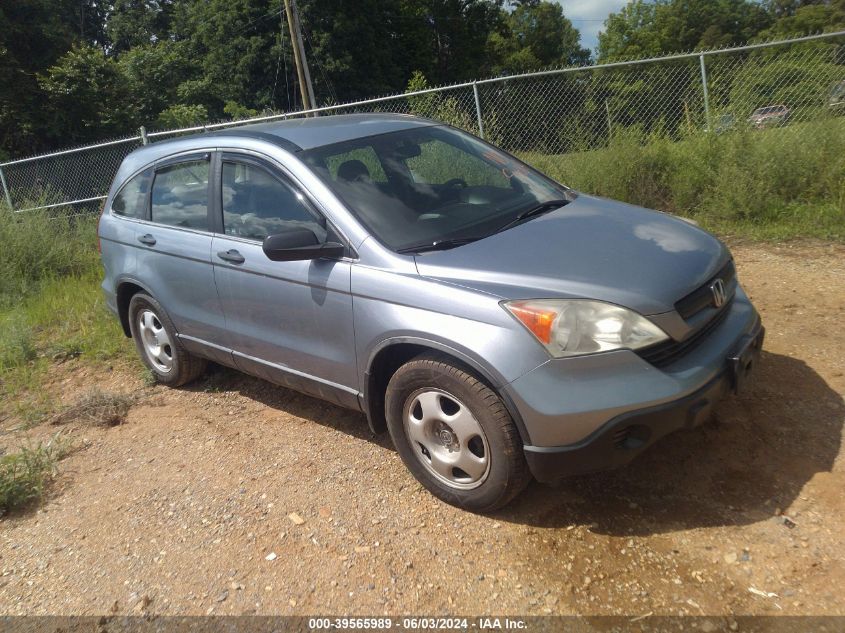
point(257, 204)
point(180, 195)
point(131, 200)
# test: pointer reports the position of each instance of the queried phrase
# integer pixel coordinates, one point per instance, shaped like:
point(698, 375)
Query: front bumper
point(626, 436)
point(600, 412)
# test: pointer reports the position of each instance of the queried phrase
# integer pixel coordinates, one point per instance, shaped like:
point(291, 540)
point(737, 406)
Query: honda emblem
point(719, 293)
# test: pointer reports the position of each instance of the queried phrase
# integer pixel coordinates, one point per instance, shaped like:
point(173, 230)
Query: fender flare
point(493, 378)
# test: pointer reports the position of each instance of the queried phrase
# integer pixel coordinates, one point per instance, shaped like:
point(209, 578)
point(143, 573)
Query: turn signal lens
point(539, 321)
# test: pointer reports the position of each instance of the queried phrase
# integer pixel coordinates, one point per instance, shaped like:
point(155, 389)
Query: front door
point(289, 322)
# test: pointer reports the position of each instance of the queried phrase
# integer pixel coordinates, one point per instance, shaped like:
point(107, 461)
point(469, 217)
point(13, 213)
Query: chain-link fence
point(768, 85)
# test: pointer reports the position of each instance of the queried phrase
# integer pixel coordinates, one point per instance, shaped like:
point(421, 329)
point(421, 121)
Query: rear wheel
point(158, 346)
point(454, 434)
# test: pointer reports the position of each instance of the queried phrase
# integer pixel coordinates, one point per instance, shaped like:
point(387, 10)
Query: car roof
point(307, 133)
point(293, 135)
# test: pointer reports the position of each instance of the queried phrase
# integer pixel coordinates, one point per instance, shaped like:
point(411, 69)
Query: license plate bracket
point(742, 362)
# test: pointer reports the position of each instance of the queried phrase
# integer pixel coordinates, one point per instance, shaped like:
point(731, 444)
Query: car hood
point(591, 248)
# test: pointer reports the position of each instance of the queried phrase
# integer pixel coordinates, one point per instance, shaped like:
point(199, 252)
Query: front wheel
point(454, 434)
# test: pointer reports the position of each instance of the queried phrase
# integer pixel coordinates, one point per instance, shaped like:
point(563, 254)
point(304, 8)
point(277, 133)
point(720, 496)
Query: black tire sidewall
point(504, 457)
point(143, 301)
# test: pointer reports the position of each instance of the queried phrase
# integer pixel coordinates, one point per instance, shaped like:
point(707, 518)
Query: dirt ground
point(234, 496)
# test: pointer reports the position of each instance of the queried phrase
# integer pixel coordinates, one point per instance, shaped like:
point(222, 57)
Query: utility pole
point(305, 87)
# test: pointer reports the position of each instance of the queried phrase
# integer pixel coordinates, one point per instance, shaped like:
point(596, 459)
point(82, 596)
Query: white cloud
point(588, 16)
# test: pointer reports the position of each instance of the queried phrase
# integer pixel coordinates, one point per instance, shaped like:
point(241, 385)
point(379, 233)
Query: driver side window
point(257, 203)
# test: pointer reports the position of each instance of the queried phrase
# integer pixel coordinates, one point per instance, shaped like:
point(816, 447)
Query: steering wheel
point(456, 182)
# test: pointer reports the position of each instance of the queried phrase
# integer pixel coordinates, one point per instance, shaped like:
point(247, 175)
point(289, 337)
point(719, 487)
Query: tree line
point(78, 71)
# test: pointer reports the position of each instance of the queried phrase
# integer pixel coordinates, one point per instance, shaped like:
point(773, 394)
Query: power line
point(254, 20)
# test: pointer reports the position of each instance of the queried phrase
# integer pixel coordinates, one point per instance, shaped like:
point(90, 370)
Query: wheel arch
point(391, 354)
point(126, 289)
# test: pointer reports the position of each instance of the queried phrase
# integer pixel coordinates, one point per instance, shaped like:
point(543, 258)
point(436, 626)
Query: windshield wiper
point(439, 245)
point(543, 207)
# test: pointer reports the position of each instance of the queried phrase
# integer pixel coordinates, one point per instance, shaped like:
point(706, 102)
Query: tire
point(157, 343)
point(454, 434)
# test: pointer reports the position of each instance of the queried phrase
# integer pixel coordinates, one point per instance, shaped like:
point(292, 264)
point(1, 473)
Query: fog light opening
point(632, 437)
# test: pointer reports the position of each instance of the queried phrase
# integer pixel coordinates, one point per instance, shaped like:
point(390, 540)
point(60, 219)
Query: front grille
point(702, 298)
point(693, 304)
point(668, 352)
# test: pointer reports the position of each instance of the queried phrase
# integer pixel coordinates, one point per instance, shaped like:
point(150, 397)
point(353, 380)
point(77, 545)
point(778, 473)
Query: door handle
point(231, 256)
point(147, 239)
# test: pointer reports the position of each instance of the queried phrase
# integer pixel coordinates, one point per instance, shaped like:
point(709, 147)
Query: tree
point(787, 8)
point(87, 98)
point(537, 35)
point(439, 106)
point(160, 75)
point(800, 81)
point(133, 23)
point(73, 70)
point(795, 18)
point(33, 35)
point(179, 115)
point(665, 26)
point(356, 49)
point(234, 44)
point(452, 35)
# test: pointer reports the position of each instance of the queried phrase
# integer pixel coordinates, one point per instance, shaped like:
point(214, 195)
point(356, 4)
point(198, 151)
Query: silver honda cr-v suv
point(497, 323)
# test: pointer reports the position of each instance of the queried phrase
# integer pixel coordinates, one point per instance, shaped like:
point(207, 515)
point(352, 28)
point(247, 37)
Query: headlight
point(575, 327)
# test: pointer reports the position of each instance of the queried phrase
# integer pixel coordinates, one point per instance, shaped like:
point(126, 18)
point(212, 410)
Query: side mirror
point(298, 245)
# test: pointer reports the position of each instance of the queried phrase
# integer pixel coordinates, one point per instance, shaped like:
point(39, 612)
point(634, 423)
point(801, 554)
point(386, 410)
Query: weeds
point(766, 184)
point(148, 378)
point(25, 475)
point(51, 306)
point(97, 408)
point(16, 345)
point(41, 245)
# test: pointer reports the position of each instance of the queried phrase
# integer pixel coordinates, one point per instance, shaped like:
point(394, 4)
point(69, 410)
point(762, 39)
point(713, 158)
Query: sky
point(588, 16)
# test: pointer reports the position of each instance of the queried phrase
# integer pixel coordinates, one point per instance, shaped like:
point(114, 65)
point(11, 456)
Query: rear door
point(289, 322)
point(174, 257)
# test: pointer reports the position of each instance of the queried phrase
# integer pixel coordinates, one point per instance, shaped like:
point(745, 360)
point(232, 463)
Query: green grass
point(39, 246)
point(65, 319)
point(51, 307)
point(25, 475)
point(764, 184)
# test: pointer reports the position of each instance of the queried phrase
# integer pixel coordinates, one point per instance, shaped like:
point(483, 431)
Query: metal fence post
point(478, 109)
point(706, 92)
point(144, 139)
point(6, 190)
point(609, 121)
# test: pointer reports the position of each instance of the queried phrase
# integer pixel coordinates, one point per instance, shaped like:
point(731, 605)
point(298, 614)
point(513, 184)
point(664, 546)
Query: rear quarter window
point(131, 200)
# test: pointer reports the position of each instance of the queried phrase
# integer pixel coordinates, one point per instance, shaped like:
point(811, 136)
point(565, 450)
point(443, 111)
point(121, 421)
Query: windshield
point(430, 185)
